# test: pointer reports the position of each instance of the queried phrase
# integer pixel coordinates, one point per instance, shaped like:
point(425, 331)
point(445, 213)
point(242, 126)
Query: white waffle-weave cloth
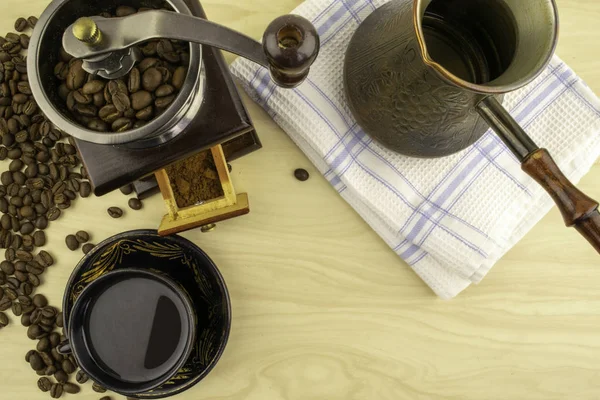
point(450, 219)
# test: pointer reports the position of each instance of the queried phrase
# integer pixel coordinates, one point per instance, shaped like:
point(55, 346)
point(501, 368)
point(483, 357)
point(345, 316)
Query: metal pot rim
point(162, 123)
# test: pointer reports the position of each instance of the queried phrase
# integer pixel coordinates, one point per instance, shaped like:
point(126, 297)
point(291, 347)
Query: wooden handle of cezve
point(291, 44)
point(577, 209)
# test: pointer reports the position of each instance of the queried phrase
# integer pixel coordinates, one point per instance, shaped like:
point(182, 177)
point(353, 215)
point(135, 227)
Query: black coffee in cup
point(131, 330)
point(139, 317)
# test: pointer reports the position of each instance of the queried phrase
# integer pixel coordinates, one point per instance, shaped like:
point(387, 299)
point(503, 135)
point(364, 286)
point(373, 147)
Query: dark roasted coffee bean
point(126, 190)
point(24, 255)
point(25, 320)
point(135, 204)
point(140, 100)
point(19, 177)
point(121, 101)
point(54, 352)
point(59, 320)
point(6, 178)
point(35, 361)
point(17, 309)
point(27, 228)
point(147, 63)
point(20, 266)
point(51, 370)
point(122, 124)
point(6, 221)
point(76, 75)
point(16, 201)
point(179, 77)
point(7, 267)
point(70, 195)
point(32, 21)
point(85, 189)
point(39, 239)
point(134, 81)
point(60, 198)
point(68, 367)
point(3, 320)
point(8, 140)
point(56, 391)
point(93, 87)
point(23, 87)
point(35, 268)
point(82, 98)
point(15, 165)
point(82, 236)
point(41, 222)
point(24, 300)
point(33, 279)
point(27, 212)
point(21, 276)
point(164, 90)
point(27, 200)
point(47, 358)
point(26, 288)
point(43, 344)
point(45, 258)
point(59, 187)
point(43, 168)
point(54, 341)
point(81, 377)
point(10, 255)
point(40, 301)
point(20, 24)
point(53, 214)
point(9, 291)
point(71, 242)
point(145, 114)
point(5, 303)
point(87, 248)
point(151, 79)
point(115, 212)
point(61, 376)
point(97, 388)
point(71, 388)
point(17, 242)
point(44, 384)
point(35, 332)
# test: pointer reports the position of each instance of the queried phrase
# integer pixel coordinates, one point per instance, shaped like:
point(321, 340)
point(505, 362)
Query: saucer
point(184, 263)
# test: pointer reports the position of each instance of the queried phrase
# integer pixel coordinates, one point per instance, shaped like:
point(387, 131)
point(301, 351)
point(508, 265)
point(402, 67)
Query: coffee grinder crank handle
point(577, 208)
point(290, 43)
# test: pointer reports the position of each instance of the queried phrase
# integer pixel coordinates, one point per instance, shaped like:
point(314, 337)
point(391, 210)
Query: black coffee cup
point(131, 330)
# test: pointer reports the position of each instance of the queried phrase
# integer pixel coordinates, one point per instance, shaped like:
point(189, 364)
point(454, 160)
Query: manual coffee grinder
point(207, 111)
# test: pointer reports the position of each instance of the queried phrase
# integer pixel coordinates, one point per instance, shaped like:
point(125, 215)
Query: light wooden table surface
point(324, 310)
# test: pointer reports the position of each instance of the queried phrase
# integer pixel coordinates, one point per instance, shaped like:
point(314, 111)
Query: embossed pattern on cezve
point(396, 98)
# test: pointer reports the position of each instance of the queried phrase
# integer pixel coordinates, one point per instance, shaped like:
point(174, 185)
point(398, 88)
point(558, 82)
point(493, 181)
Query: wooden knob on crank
point(291, 44)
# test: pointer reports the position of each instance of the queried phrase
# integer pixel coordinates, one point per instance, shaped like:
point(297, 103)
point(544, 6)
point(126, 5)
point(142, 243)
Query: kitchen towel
point(450, 219)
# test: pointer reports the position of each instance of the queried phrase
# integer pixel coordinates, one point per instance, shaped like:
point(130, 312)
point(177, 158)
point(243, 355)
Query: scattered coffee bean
point(17, 309)
point(3, 319)
point(68, 367)
point(61, 376)
point(36, 363)
point(115, 212)
point(97, 388)
point(39, 239)
point(71, 388)
point(56, 391)
point(43, 344)
point(81, 377)
point(87, 248)
point(126, 190)
point(32, 21)
point(40, 301)
point(135, 204)
point(47, 359)
point(72, 242)
point(26, 320)
point(59, 320)
point(20, 24)
point(44, 384)
point(301, 174)
point(82, 236)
